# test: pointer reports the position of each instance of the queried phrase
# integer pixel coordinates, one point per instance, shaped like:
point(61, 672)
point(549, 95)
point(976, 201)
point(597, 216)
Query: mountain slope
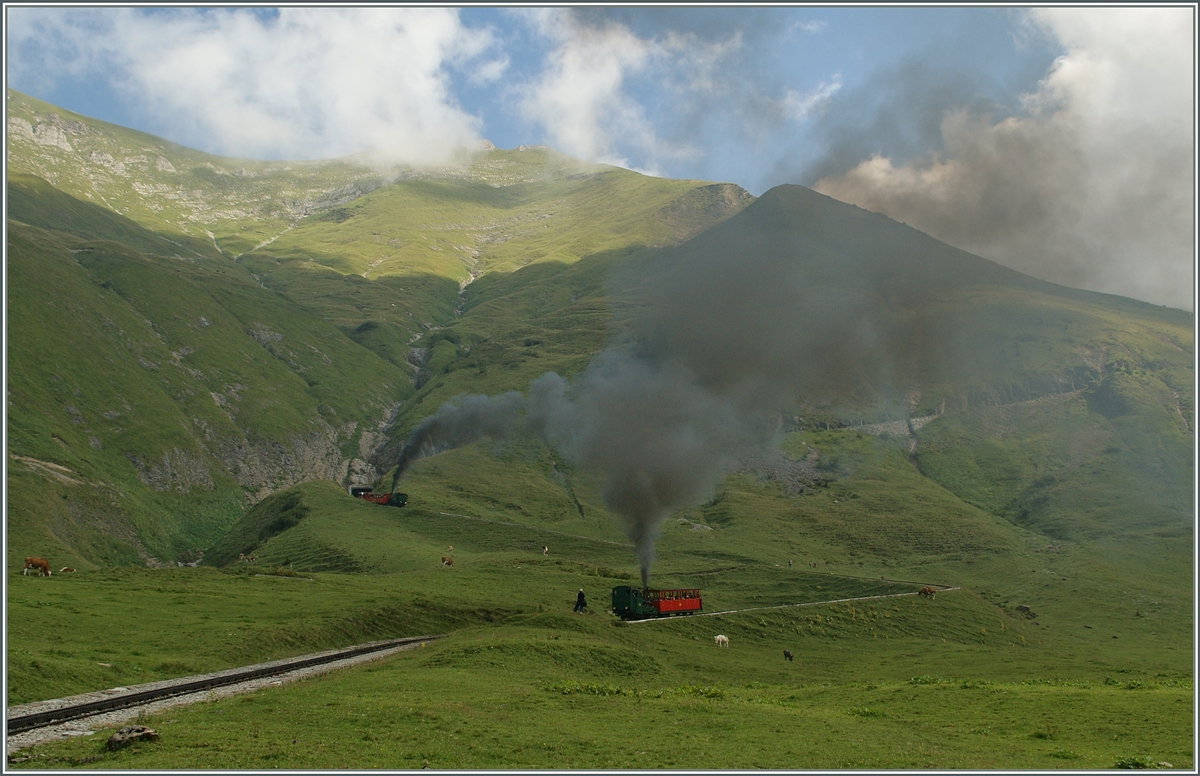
point(315, 231)
point(153, 386)
point(865, 320)
point(378, 297)
point(190, 333)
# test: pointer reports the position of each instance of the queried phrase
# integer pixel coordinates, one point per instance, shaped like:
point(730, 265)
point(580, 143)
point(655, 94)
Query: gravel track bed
point(111, 719)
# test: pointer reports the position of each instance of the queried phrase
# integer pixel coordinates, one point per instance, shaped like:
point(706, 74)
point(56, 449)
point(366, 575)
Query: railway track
point(72, 709)
point(941, 589)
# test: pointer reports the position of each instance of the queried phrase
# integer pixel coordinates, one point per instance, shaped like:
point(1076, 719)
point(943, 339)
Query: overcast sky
point(1058, 141)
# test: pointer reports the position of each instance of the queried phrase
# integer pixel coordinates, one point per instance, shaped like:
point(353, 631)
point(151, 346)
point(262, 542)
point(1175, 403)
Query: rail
point(26, 722)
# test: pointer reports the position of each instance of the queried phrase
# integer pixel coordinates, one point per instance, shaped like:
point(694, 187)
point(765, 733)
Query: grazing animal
point(242, 557)
point(721, 641)
point(66, 570)
point(41, 564)
point(927, 592)
point(450, 548)
point(787, 655)
point(447, 561)
point(545, 550)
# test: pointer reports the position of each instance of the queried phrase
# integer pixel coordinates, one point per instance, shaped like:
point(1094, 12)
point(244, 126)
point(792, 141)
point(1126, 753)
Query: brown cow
point(447, 561)
point(41, 564)
point(927, 592)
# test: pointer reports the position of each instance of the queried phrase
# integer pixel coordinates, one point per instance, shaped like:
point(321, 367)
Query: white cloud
point(310, 82)
point(800, 106)
point(580, 97)
point(490, 71)
point(1092, 185)
point(584, 97)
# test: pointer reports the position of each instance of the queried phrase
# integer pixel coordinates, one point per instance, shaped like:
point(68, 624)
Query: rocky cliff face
point(262, 467)
point(177, 470)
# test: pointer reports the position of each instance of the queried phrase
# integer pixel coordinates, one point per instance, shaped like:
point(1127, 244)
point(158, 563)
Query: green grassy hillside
point(202, 352)
point(380, 252)
point(220, 206)
point(999, 687)
point(254, 321)
point(152, 399)
point(393, 264)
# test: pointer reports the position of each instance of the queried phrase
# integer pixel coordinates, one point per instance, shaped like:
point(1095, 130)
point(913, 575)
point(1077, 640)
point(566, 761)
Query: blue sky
point(1059, 141)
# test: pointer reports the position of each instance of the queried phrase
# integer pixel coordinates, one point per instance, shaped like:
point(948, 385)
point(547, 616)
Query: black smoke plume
point(657, 440)
point(797, 296)
point(460, 422)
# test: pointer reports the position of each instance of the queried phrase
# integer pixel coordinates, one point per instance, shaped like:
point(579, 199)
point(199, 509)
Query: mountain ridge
point(444, 286)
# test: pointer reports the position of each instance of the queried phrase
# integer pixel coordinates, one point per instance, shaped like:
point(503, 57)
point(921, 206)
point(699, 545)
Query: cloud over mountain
point(302, 83)
point(1090, 184)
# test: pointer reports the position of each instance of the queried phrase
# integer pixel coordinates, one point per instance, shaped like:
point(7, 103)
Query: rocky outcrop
point(702, 207)
point(264, 466)
point(130, 734)
point(299, 208)
point(43, 133)
point(895, 427)
point(792, 475)
point(178, 471)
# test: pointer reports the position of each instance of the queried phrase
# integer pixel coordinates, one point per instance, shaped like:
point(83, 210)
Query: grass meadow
point(961, 681)
point(890, 683)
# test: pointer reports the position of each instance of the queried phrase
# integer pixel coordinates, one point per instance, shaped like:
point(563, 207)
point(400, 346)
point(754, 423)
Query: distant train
point(635, 603)
point(387, 499)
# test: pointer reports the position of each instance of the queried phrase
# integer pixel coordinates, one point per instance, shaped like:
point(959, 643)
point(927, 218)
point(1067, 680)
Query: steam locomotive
point(387, 499)
point(635, 603)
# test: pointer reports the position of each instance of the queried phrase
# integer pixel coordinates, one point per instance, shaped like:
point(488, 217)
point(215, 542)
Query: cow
point(450, 548)
point(787, 655)
point(447, 561)
point(66, 570)
point(721, 641)
point(41, 564)
point(927, 592)
point(545, 550)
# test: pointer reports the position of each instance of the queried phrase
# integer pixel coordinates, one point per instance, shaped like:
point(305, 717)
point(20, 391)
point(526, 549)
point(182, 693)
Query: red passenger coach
point(674, 601)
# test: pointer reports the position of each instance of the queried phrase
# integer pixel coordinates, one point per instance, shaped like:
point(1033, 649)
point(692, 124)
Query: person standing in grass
point(580, 601)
